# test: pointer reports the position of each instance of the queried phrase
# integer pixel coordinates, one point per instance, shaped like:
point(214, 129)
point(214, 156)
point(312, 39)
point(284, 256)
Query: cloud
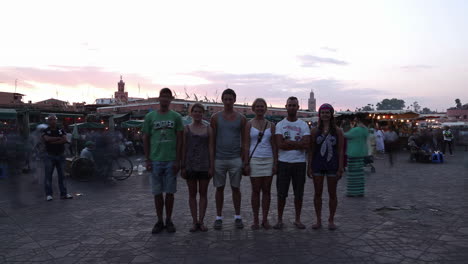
point(314, 61)
point(417, 67)
point(72, 84)
point(275, 88)
point(329, 49)
point(42, 83)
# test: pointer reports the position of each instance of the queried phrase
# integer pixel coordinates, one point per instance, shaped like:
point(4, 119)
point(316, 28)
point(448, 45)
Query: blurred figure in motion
point(87, 152)
point(448, 137)
point(390, 139)
point(55, 140)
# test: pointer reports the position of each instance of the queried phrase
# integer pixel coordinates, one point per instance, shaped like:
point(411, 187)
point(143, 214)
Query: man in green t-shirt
point(162, 142)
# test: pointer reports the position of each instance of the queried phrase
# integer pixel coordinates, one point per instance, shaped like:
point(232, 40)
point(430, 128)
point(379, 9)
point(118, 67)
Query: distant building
point(312, 102)
point(111, 101)
point(53, 103)
point(121, 97)
point(11, 98)
point(458, 114)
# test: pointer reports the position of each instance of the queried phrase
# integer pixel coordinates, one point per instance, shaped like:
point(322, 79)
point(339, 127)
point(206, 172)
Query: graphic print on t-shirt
point(294, 130)
point(162, 127)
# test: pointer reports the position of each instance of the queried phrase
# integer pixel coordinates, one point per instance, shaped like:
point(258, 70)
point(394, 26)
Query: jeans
point(162, 179)
point(51, 162)
point(449, 144)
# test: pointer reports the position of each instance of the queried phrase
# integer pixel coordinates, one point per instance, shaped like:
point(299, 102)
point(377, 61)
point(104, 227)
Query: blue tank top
point(325, 154)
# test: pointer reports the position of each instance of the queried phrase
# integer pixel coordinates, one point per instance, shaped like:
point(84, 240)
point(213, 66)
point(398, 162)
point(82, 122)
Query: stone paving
point(412, 213)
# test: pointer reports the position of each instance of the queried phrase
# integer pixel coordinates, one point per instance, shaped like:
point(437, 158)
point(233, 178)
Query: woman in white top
point(260, 159)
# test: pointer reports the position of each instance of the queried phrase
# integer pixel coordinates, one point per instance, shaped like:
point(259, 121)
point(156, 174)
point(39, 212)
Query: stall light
point(391, 117)
point(378, 117)
point(383, 117)
point(102, 122)
point(128, 129)
point(370, 114)
point(417, 124)
point(407, 121)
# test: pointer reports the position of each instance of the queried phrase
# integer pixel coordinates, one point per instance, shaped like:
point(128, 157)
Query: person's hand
point(211, 172)
point(149, 165)
point(246, 169)
point(339, 174)
point(183, 173)
point(274, 170)
point(175, 168)
point(310, 174)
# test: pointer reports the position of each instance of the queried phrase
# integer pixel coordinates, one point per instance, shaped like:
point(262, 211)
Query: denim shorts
point(162, 179)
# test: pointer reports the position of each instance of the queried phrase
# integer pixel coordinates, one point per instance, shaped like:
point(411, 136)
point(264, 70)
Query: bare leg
point(203, 189)
point(332, 182)
point(219, 200)
point(236, 199)
point(169, 202)
point(266, 199)
point(255, 198)
point(318, 186)
point(159, 206)
point(192, 187)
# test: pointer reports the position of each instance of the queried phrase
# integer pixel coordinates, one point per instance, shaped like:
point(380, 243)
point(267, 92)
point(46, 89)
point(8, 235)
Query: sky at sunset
point(350, 53)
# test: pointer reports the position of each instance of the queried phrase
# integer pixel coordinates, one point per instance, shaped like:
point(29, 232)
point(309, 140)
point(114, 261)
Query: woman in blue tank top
point(326, 160)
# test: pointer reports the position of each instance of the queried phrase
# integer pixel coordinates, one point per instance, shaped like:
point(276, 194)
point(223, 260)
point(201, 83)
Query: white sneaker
point(67, 196)
point(49, 198)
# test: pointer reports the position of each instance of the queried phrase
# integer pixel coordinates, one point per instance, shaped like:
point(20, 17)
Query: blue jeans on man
point(51, 162)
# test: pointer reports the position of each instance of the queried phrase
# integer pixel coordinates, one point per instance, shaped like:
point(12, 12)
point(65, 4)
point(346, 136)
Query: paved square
point(412, 213)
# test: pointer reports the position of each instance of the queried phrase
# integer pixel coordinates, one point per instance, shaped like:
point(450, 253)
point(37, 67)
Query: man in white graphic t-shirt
point(292, 138)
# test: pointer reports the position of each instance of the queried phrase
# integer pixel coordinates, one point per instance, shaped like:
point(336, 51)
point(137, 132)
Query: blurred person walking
point(356, 152)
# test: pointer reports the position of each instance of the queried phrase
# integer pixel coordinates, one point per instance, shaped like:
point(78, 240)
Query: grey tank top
point(228, 138)
point(197, 156)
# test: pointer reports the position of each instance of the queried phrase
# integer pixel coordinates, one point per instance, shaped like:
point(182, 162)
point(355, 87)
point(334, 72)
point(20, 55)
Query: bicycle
point(83, 169)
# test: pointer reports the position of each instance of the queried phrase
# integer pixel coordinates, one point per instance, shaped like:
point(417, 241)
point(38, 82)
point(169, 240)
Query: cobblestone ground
point(412, 213)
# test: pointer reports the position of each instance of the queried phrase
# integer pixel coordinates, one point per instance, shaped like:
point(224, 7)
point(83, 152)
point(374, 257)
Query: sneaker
point(157, 228)
point(218, 224)
point(67, 196)
point(49, 198)
point(239, 224)
point(170, 227)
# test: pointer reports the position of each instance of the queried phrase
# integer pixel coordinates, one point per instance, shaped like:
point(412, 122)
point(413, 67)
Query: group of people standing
point(231, 145)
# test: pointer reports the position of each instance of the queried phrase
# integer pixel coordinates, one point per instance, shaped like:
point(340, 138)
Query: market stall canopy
point(88, 125)
point(7, 113)
point(64, 115)
point(120, 116)
point(132, 124)
point(455, 124)
point(403, 114)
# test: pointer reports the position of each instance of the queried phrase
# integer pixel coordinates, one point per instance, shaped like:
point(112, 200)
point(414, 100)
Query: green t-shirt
point(357, 142)
point(162, 129)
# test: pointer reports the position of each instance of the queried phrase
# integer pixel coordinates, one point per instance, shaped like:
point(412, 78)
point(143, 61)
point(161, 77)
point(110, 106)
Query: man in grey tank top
point(227, 128)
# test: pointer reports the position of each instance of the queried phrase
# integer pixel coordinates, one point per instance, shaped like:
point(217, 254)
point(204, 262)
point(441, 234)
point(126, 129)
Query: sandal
point(202, 227)
point(194, 228)
point(332, 226)
point(299, 225)
point(317, 226)
point(278, 226)
point(255, 227)
point(266, 225)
